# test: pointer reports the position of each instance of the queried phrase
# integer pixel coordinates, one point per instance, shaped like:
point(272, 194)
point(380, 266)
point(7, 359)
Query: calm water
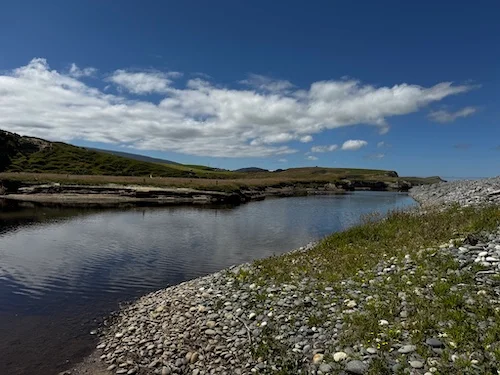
point(62, 269)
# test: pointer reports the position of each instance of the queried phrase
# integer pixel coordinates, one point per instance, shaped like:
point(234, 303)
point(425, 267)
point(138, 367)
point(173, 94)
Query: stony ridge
point(464, 193)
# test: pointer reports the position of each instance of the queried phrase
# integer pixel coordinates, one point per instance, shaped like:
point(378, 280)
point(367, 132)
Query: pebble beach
point(375, 321)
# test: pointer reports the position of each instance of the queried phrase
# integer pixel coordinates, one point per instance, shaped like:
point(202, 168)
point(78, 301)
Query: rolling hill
point(22, 157)
point(138, 157)
point(27, 154)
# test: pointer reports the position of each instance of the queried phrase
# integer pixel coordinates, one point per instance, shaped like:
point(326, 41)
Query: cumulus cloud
point(311, 157)
point(200, 118)
point(353, 144)
point(143, 82)
point(75, 71)
point(324, 148)
point(444, 116)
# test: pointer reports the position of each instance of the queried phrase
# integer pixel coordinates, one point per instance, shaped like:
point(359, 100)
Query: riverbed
point(63, 269)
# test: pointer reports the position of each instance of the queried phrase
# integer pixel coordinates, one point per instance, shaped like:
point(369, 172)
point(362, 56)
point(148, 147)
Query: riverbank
point(112, 195)
point(416, 292)
point(123, 191)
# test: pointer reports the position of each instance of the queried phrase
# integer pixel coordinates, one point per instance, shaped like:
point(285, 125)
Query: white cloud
point(384, 129)
point(306, 139)
point(264, 83)
point(353, 144)
point(375, 156)
point(443, 116)
point(283, 160)
point(143, 82)
point(311, 157)
point(75, 71)
point(324, 148)
point(381, 144)
point(201, 118)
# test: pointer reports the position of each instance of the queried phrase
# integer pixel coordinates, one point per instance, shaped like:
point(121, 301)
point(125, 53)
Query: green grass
point(363, 246)
point(438, 291)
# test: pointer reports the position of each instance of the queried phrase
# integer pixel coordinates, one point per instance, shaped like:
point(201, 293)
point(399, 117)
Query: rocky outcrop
point(116, 195)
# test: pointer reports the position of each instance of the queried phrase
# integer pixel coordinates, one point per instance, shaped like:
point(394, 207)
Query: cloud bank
point(200, 118)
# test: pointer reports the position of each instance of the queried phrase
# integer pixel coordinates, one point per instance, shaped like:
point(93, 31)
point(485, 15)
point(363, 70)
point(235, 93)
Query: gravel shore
point(464, 193)
point(233, 322)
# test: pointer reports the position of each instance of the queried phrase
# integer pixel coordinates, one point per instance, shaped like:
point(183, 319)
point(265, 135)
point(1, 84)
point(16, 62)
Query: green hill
point(134, 156)
point(26, 154)
point(33, 155)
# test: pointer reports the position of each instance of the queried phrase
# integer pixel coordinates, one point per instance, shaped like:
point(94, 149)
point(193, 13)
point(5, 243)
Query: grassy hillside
point(138, 157)
point(32, 159)
point(31, 155)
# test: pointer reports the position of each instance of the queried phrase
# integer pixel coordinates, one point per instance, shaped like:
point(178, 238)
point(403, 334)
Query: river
point(62, 270)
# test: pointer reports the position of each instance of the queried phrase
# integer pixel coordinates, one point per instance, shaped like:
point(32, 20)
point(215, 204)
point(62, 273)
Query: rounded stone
point(325, 368)
point(416, 364)
point(339, 356)
point(317, 358)
point(433, 342)
point(405, 349)
point(356, 367)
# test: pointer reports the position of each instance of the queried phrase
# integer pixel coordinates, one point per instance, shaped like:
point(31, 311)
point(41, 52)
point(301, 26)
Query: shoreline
point(105, 196)
point(194, 318)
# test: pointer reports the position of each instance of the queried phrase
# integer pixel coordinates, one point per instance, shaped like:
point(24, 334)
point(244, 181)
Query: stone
point(405, 349)
point(356, 367)
point(351, 304)
point(416, 364)
point(194, 357)
point(434, 343)
point(371, 350)
point(211, 324)
point(339, 356)
point(210, 332)
point(325, 368)
point(317, 358)
point(166, 370)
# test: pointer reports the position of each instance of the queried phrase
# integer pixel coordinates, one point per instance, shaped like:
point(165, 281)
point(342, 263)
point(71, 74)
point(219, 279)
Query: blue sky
point(412, 87)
